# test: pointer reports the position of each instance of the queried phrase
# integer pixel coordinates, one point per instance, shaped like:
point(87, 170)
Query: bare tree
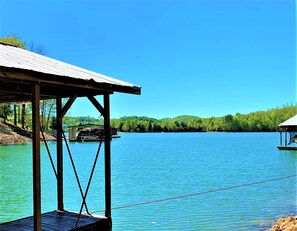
point(15, 114)
point(37, 49)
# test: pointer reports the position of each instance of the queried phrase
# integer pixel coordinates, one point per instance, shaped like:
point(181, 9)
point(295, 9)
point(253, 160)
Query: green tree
point(228, 119)
point(5, 111)
point(14, 39)
point(48, 110)
point(256, 121)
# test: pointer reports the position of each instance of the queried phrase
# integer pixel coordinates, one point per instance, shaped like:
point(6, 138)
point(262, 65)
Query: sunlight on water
point(148, 167)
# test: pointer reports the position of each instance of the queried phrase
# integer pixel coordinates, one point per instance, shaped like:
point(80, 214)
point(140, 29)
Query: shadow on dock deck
point(60, 221)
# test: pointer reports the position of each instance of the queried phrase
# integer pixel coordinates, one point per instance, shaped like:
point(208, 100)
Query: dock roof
point(290, 122)
point(20, 68)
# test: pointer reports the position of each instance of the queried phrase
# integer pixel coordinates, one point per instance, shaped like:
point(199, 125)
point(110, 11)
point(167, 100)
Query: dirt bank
point(11, 134)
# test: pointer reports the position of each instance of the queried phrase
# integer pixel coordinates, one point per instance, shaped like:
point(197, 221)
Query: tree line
point(260, 121)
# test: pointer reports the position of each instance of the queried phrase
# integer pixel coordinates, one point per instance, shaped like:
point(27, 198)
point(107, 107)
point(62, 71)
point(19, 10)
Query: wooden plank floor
point(59, 221)
point(287, 147)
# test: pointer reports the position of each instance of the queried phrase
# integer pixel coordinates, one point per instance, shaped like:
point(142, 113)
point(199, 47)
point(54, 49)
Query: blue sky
point(203, 58)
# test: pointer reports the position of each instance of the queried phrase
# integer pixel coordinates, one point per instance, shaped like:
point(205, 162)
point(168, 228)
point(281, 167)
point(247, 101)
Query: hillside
point(11, 134)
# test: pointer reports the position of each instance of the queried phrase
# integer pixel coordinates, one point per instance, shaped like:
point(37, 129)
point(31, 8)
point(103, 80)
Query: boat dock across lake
point(89, 132)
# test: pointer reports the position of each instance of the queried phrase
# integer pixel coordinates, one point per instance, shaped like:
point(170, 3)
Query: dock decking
point(91, 140)
point(60, 221)
point(287, 147)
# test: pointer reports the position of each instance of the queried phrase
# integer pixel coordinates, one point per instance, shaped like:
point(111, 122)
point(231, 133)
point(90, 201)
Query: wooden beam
point(46, 78)
point(36, 157)
point(96, 104)
point(19, 74)
point(67, 106)
point(107, 150)
point(13, 90)
point(59, 155)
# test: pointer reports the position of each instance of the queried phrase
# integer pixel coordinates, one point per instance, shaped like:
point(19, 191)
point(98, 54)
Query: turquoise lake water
point(152, 166)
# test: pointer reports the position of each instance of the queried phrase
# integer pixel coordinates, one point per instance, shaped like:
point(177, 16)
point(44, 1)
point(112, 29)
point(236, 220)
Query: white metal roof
point(14, 57)
point(290, 122)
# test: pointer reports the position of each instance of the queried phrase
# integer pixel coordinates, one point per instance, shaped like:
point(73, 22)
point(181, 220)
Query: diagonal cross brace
point(75, 172)
point(49, 153)
point(67, 106)
point(89, 182)
point(97, 105)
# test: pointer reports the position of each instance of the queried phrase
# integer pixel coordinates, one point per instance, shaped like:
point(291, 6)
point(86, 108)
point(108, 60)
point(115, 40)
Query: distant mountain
point(185, 118)
point(139, 118)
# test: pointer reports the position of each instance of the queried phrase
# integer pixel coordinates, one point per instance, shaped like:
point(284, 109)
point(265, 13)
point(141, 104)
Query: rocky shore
point(285, 224)
point(11, 134)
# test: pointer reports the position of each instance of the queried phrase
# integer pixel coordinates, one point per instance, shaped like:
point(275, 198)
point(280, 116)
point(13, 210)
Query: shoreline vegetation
point(260, 121)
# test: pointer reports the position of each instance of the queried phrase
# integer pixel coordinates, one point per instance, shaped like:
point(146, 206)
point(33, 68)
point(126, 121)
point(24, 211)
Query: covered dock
point(29, 77)
point(89, 133)
point(288, 134)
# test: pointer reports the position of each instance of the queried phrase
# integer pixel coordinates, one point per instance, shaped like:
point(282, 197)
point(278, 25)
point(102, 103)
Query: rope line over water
point(199, 193)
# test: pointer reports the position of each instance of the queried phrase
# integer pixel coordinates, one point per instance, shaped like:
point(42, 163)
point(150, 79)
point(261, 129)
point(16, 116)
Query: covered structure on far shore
point(289, 128)
point(29, 77)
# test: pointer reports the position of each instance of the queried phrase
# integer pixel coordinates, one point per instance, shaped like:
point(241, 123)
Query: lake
point(153, 166)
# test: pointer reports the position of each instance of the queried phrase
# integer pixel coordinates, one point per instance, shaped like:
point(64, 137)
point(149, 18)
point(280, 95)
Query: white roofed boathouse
point(29, 77)
point(289, 140)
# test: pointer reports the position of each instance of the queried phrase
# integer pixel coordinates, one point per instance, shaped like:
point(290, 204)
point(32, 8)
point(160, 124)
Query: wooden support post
point(60, 113)
point(36, 157)
point(107, 157)
point(286, 141)
point(59, 155)
point(281, 137)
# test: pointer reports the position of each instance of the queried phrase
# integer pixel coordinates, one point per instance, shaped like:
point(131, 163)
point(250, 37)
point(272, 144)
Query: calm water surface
point(154, 166)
